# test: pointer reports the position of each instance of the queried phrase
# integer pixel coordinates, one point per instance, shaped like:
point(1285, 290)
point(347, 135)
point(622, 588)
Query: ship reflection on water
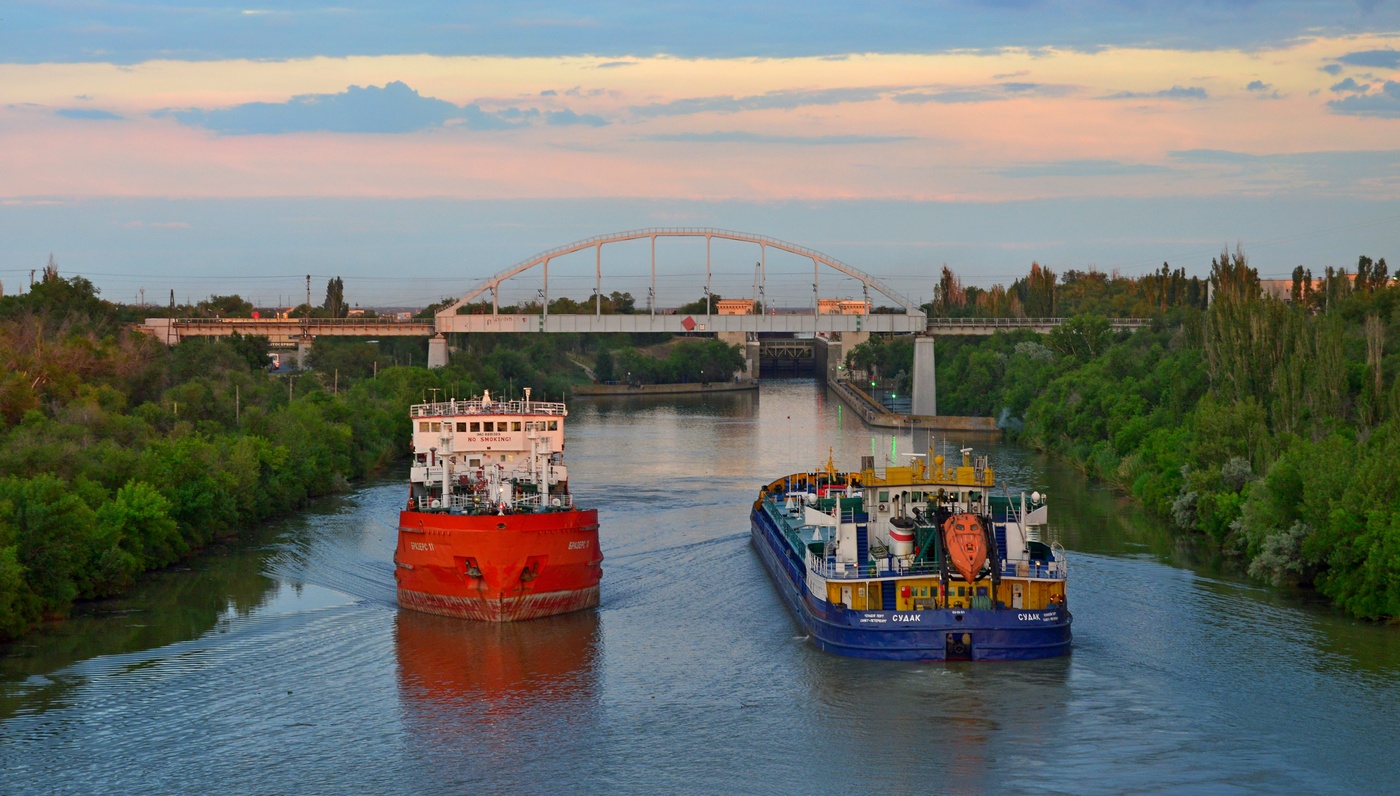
point(499, 688)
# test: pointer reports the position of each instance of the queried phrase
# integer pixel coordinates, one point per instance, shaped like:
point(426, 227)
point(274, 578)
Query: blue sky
point(415, 148)
point(121, 32)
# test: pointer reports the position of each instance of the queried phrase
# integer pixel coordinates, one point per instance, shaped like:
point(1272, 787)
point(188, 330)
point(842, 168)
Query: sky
point(417, 148)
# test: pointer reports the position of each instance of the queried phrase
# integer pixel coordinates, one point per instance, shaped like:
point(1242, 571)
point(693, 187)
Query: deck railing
point(476, 406)
point(528, 504)
point(893, 567)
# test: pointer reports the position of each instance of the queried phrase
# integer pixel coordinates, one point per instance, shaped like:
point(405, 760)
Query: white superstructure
point(487, 455)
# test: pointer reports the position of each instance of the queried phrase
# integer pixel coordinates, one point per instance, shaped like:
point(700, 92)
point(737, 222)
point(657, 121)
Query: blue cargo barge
point(915, 563)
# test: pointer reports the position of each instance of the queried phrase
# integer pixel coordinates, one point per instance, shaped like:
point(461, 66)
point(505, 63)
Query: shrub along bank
point(1272, 428)
point(119, 455)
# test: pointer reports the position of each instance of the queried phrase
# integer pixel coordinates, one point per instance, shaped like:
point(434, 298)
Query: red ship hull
point(498, 568)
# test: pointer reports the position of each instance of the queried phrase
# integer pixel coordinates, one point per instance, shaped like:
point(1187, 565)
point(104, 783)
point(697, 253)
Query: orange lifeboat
point(966, 542)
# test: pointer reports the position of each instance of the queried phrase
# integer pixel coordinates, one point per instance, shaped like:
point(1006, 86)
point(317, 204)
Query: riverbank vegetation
point(686, 362)
point(120, 455)
point(1270, 426)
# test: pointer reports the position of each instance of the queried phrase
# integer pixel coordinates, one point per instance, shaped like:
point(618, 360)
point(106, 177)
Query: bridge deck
point(289, 329)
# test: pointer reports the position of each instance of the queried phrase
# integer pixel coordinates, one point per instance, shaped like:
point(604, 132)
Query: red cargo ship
point(491, 531)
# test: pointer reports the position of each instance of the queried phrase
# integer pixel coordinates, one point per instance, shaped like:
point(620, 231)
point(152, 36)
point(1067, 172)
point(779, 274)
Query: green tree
point(138, 517)
point(1083, 336)
point(335, 305)
point(233, 306)
point(603, 367)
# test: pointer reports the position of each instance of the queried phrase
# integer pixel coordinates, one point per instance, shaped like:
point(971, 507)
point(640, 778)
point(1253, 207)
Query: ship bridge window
point(488, 426)
point(476, 427)
point(554, 425)
point(422, 425)
point(515, 425)
point(437, 427)
point(462, 428)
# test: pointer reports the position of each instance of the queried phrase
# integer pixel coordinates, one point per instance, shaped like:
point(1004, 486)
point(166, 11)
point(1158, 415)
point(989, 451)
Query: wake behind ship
point(922, 562)
point(490, 531)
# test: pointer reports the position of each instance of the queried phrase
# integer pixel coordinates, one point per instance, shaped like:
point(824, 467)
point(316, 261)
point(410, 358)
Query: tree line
point(689, 361)
point(1041, 294)
point(119, 455)
point(1269, 426)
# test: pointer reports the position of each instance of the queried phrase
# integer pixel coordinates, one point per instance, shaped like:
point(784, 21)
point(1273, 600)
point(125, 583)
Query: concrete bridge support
point(303, 353)
point(752, 357)
point(830, 354)
point(827, 357)
point(925, 378)
point(750, 350)
point(437, 351)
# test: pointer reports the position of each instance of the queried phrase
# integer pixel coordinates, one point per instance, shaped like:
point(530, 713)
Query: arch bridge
point(449, 320)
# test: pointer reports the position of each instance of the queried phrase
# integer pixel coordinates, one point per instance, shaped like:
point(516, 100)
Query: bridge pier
point(437, 351)
point(749, 348)
point(925, 378)
point(829, 354)
point(753, 355)
point(303, 352)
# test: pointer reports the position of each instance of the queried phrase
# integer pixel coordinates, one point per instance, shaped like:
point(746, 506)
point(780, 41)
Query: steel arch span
point(542, 259)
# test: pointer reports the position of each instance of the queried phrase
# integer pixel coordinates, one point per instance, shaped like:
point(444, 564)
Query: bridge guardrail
point(311, 321)
point(1021, 323)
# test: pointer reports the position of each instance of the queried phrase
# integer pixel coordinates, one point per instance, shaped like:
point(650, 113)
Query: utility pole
point(305, 326)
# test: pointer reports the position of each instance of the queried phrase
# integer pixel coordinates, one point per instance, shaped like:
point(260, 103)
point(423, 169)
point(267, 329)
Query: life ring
point(410, 504)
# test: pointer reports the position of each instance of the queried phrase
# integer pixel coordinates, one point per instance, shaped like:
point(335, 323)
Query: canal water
point(282, 665)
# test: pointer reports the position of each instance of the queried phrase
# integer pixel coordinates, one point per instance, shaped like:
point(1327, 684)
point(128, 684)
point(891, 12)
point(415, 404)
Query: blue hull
point(1003, 634)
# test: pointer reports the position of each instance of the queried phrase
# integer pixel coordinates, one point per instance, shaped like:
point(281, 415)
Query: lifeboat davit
point(966, 541)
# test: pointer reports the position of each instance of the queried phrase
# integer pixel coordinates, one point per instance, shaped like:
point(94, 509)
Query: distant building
point(356, 313)
point(1282, 289)
point(734, 307)
point(842, 307)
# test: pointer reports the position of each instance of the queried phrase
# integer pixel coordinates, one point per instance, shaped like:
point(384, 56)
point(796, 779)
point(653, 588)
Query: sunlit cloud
point(87, 113)
point(1375, 59)
point(1175, 92)
point(566, 118)
point(393, 108)
point(741, 137)
point(1336, 170)
point(994, 93)
point(783, 99)
point(1083, 168)
point(1384, 103)
point(888, 126)
point(156, 225)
